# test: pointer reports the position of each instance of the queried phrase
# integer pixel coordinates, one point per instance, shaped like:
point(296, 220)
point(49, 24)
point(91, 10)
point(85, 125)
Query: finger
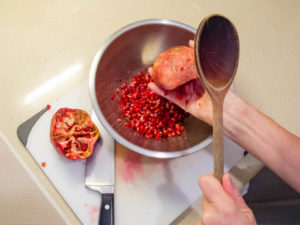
point(205, 205)
point(166, 94)
point(212, 189)
point(208, 212)
point(156, 89)
point(150, 71)
point(231, 190)
point(191, 43)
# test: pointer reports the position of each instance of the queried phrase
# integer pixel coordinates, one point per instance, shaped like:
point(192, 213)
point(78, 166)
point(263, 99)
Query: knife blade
point(100, 173)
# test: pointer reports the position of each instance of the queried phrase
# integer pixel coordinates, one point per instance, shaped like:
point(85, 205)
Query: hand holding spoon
point(217, 56)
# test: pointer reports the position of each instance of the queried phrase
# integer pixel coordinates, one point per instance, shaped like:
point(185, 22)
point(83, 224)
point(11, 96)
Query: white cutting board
point(148, 191)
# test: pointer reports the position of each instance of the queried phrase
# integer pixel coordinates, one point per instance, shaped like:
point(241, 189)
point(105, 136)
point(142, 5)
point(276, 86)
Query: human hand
point(191, 97)
point(223, 205)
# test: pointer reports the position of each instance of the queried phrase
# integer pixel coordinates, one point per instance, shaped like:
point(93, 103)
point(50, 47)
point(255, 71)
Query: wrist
point(234, 111)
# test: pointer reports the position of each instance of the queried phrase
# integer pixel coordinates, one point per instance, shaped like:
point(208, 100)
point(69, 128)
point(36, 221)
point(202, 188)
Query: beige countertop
point(40, 40)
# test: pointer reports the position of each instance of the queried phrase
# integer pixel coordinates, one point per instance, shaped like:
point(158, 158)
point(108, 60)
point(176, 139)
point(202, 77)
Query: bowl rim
point(92, 89)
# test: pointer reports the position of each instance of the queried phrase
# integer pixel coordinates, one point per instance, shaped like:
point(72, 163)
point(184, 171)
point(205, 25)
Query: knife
point(100, 173)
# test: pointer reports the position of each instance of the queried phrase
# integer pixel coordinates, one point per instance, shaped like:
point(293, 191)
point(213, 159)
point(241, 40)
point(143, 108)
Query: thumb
point(156, 89)
point(232, 190)
point(170, 95)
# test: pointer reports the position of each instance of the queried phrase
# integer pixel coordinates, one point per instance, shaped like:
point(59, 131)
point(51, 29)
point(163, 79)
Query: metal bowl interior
point(126, 53)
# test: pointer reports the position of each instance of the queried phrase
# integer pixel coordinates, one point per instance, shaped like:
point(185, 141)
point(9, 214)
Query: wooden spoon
point(217, 56)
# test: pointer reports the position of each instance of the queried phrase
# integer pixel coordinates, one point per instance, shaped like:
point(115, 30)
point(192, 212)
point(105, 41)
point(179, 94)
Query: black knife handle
point(107, 210)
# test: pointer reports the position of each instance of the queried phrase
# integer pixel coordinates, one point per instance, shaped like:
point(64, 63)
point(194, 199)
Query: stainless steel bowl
point(129, 51)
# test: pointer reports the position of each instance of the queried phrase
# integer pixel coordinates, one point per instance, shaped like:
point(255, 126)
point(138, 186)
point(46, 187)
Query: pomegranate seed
point(84, 146)
point(165, 132)
point(158, 136)
point(148, 113)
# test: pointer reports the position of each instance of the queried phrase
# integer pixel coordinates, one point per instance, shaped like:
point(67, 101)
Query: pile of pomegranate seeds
point(148, 113)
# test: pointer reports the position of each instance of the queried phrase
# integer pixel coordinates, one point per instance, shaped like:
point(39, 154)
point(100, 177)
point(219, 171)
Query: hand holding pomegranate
point(177, 80)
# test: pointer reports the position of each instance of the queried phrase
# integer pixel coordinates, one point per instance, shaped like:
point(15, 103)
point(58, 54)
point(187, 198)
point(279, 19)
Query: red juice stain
point(179, 96)
point(48, 107)
point(43, 164)
point(93, 213)
point(131, 166)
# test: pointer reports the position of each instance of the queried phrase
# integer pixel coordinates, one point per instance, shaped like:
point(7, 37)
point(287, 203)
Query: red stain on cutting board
point(93, 213)
point(128, 163)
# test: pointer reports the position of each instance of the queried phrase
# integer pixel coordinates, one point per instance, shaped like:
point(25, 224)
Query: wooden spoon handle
point(218, 140)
